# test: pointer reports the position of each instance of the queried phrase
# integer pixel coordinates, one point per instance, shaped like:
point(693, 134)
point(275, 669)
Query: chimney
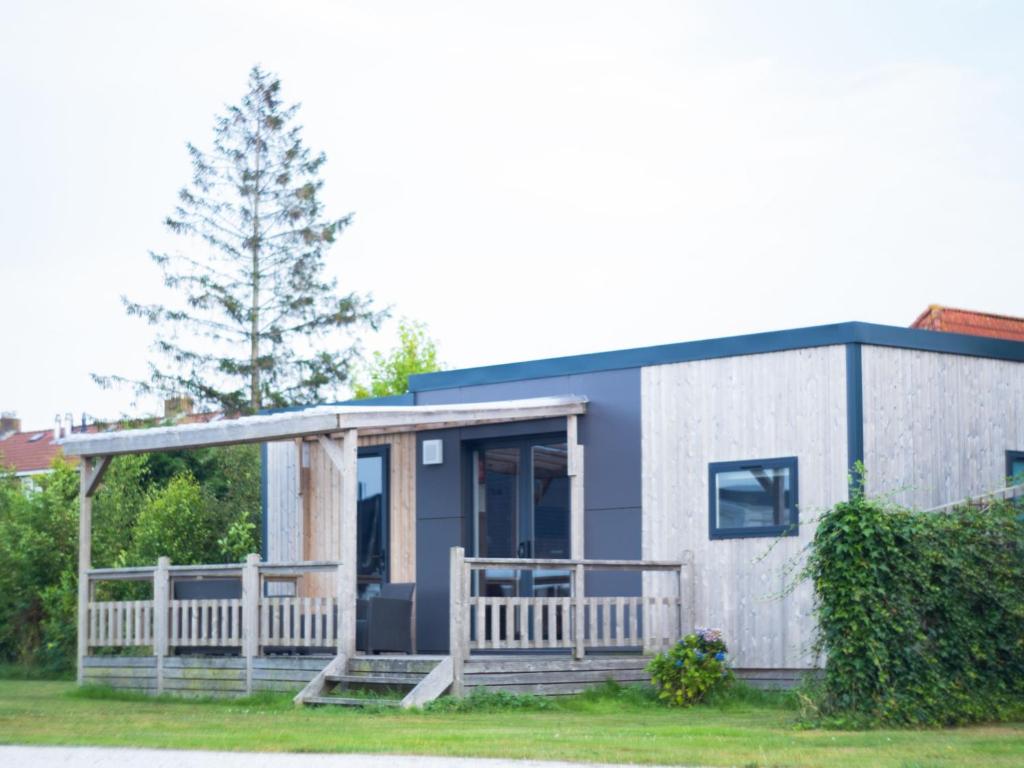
point(178, 406)
point(9, 423)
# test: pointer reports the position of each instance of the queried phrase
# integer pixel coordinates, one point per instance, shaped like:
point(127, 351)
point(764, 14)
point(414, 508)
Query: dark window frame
point(1011, 457)
point(384, 451)
point(792, 528)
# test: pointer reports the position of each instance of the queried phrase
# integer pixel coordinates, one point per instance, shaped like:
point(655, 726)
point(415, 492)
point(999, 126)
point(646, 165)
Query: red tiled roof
point(950, 320)
point(22, 453)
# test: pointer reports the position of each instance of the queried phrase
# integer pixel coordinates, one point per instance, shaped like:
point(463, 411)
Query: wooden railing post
point(457, 602)
point(250, 615)
point(341, 594)
point(161, 608)
point(84, 562)
point(687, 595)
point(578, 590)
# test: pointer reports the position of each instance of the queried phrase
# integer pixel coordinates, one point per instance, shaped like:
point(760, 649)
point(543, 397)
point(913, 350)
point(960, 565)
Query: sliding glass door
point(520, 498)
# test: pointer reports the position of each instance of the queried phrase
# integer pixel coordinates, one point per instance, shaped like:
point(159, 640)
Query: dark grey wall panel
point(610, 430)
point(434, 538)
point(614, 534)
point(439, 487)
point(611, 434)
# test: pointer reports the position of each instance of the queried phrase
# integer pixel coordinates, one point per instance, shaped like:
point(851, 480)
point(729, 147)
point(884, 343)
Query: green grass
point(746, 728)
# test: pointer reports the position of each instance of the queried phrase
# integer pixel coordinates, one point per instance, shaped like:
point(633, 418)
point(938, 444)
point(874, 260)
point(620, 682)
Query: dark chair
point(384, 621)
point(216, 588)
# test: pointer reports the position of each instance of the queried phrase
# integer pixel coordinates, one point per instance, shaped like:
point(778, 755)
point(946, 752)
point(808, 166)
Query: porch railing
point(255, 622)
point(575, 621)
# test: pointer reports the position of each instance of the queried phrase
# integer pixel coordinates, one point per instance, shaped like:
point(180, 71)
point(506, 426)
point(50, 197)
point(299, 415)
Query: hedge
point(920, 615)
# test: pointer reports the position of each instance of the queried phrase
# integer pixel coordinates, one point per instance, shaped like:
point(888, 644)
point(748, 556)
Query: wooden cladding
point(304, 505)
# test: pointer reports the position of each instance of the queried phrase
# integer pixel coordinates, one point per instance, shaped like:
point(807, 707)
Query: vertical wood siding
point(307, 528)
point(752, 407)
point(284, 521)
point(937, 426)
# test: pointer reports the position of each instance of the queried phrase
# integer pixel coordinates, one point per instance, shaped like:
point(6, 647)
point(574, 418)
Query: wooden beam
point(334, 452)
point(85, 476)
point(161, 603)
point(318, 421)
point(437, 681)
point(577, 514)
point(250, 615)
point(93, 473)
point(458, 597)
point(347, 462)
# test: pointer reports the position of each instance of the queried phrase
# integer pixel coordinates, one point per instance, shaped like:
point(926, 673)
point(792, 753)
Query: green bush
point(196, 506)
point(920, 615)
point(691, 669)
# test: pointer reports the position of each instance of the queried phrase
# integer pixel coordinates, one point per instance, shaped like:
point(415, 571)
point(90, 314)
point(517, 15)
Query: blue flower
point(700, 654)
point(679, 662)
point(720, 656)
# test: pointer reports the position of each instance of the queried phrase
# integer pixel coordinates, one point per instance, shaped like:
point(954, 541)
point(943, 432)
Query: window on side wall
point(1015, 466)
point(757, 497)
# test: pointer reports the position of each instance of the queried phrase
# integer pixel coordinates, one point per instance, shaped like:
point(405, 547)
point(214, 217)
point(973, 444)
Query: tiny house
point(563, 519)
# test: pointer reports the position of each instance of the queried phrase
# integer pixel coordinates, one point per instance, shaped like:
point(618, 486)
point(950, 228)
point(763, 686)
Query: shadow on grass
point(609, 697)
point(34, 672)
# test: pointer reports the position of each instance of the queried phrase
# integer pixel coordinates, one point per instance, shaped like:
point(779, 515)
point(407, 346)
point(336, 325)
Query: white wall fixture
point(433, 452)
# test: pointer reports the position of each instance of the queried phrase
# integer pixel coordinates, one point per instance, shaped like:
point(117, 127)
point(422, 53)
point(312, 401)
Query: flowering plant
point(693, 667)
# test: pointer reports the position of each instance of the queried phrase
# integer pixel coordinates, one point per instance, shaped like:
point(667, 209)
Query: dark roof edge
point(728, 346)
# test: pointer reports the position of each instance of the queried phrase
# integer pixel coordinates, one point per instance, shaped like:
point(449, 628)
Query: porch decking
point(226, 677)
point(235, 646)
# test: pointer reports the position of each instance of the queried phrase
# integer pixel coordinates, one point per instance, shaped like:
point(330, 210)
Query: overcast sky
point(530, 179)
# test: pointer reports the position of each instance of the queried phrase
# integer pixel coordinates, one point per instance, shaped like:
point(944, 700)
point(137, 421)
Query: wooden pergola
point(336, 429)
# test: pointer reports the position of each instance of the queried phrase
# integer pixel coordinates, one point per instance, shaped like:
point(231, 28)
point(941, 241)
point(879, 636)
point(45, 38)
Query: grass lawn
point(746, 731)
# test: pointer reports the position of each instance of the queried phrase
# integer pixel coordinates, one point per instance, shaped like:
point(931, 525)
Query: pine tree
point(254, 301)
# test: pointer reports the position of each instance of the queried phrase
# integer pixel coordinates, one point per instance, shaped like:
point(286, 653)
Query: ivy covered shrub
point(691, 669)
point(920, 615)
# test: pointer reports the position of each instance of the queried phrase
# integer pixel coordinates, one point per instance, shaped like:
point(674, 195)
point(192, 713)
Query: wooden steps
point(384, 680)
point(343, 701)
point(416, 680)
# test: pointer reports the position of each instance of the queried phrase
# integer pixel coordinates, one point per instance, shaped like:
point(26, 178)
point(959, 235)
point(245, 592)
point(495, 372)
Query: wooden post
point(84, 564)
point(161, 607)
point(687, 591)
point(457, 600)
point(339, 592)
point(250, 615)
point(345, 460)
point(578, 593)
point(347, 536)
point(576, 500)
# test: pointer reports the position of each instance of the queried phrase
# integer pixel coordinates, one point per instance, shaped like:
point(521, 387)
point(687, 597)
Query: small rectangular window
point(1015, 467)
point(753, 498)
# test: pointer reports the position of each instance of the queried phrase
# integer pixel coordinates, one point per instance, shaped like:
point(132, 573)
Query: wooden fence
point(577, 621)
point(253, 623)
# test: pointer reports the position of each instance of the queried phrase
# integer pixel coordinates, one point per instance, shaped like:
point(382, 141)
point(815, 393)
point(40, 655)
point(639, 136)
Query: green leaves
point(196, 507)
point(920, 615)
point(690, 670)
point(389, 373)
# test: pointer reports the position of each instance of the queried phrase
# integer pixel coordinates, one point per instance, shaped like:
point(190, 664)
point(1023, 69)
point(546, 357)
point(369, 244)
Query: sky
point(530, 179)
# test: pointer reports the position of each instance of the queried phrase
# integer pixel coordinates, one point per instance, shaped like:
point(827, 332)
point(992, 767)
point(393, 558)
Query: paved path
point(108, 757)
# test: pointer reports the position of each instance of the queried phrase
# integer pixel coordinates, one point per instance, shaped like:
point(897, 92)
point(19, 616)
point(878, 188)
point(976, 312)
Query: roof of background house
point(951, 320)
point(35, 450)
point(26, 452)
